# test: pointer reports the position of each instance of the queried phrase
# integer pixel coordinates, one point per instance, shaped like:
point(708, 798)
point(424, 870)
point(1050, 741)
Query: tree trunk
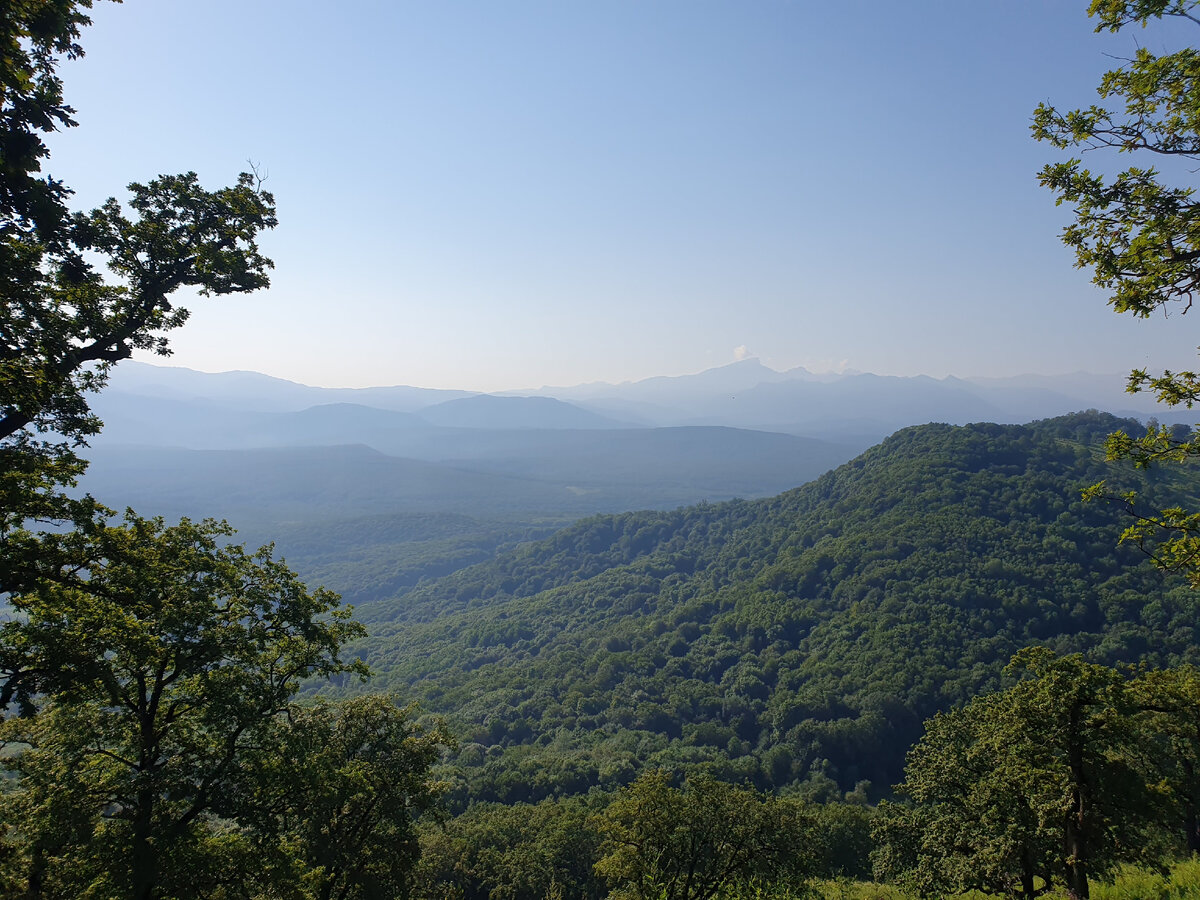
point(1191, 816)
point(1027, 889)
point(37, 872)
point(1077, 882)
point(1075, 835)
point(143, 859)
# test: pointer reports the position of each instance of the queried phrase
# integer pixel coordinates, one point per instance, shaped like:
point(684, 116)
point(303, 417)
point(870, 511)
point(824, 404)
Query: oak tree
point(84, 290)
point(148, 660)
point(688, 844)
point(1138, 231)
point(968, 823)
point(1051, 780)
point(334, 793)
point(1168, 703)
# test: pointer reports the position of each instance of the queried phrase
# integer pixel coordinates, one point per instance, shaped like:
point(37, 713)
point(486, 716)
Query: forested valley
point(962, 663)
point(800, 640)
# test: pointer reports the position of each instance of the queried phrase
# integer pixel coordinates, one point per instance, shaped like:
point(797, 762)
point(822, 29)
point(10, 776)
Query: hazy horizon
point(167, 363)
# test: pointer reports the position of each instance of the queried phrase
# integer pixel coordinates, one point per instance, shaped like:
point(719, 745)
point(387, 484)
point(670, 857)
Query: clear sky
point(497, 194)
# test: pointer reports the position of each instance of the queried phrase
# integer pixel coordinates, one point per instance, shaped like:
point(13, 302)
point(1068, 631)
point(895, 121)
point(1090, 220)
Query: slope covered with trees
point(802, 638)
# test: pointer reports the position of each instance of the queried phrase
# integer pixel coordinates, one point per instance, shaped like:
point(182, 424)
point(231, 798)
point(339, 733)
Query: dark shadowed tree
point(82, 291)
point(514, 851)
point(1169, 703)
point(335, 793)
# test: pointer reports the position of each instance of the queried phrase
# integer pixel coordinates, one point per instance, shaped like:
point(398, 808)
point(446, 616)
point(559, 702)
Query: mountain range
point(301, 465)
point(779, 608)
point(744, 394)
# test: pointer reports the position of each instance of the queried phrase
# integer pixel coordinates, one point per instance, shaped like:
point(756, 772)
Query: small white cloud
point(740, 353)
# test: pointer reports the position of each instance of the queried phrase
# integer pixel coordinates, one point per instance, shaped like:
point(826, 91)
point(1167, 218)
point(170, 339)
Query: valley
point(732, 623)
point(588, 606)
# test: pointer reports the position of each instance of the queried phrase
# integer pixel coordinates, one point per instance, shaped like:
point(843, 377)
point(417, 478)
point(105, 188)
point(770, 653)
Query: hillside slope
point(801, 638)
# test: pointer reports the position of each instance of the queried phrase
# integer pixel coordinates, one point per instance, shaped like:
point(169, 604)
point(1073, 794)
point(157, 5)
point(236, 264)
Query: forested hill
point(802, 638)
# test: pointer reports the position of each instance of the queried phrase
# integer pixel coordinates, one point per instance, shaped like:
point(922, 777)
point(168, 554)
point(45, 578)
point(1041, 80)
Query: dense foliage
point(797, 640)
point(1136, 230)
point(329, 804)
point(158, 752)
point(514, 851)
point(655, 837)
point(1073, 774)
point(1054, 780)
point(662, 842)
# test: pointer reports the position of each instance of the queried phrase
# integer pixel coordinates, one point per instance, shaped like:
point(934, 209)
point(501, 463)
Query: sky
point(502, 195)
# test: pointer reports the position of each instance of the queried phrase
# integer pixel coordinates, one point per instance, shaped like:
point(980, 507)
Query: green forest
point(964, 664)
point(795, 642)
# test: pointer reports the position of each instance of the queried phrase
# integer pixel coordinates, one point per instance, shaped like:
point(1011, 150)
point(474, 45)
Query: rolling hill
point(795, 640)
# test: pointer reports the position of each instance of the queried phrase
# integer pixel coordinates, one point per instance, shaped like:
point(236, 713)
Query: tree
point(1169, 702)
point(1139, 233)
point(63, 323)
point(514, 851)
point(151, 669)
point(33, 33)
point(970, 825)
point(1052, 778)
point(148, 660)
point(663, 842)
point(336, 793)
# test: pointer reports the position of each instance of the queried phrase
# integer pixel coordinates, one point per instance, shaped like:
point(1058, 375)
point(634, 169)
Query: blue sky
point(497, 195)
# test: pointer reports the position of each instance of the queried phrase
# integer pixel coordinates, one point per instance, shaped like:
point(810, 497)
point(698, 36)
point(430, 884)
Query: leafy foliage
point(333, 799)
point(799, 640)
point(1135, 232)
point(514, 852)
point(147, 660)
point(33, 35)
point(1138, 232)
point(690, 844)
point(1049, 780)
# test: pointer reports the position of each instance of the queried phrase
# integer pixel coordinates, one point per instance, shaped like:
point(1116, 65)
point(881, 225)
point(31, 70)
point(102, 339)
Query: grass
point(1180, 882)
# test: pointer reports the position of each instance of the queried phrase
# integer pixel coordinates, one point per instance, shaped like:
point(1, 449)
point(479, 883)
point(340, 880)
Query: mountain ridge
point(743, 394)
point(795, 640)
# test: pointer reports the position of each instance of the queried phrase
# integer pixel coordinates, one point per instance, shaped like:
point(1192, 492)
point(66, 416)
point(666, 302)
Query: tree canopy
point(147, 659)
point(690, 844)
point(1138, 230)
point(1052, 781)
point(795, 640)
point(64, 320)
